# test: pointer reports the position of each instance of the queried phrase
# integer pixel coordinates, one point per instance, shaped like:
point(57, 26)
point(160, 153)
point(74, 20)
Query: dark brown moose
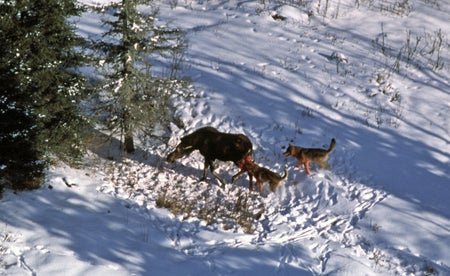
point(213, 145)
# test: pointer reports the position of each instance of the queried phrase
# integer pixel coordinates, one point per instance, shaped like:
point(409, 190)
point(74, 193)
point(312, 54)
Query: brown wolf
point(307, 155)
point(261, 175)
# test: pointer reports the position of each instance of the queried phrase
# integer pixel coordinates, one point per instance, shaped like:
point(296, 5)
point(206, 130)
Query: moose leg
point(237, 175)
point(250, 178)
point(205, 169)
point(212, 167)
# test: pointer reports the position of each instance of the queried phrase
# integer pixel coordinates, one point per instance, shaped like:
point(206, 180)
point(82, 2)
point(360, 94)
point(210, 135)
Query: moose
point(213, 145)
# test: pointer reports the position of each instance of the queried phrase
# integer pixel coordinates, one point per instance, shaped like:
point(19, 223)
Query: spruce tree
point(132, 99)
point(40, 87)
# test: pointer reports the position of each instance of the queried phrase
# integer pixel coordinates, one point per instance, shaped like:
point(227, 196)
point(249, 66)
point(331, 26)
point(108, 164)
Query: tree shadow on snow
point(109, 148)
point(107, 234)
point(381, 156)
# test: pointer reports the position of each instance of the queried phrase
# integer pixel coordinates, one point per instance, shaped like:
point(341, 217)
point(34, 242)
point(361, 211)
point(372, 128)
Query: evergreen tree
point(19, 159)
point(132, 98)
point(40, 88)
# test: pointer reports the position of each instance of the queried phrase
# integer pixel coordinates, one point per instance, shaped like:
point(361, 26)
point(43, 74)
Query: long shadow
point(107, 232)
point(109, 148)
point(396, 163)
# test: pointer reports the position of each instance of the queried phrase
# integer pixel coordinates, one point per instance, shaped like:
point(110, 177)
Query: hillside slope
point(280, 76)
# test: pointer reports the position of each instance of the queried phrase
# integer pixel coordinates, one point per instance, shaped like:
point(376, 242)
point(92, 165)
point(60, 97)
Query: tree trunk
point(126, 73)
point(128, 132)
point(129, 143)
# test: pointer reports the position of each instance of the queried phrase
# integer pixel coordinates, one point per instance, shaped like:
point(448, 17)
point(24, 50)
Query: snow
point(382, 209)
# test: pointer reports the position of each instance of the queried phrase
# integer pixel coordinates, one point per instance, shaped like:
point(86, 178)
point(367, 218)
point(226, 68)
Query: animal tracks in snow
point(306, 216)
point(317, 214)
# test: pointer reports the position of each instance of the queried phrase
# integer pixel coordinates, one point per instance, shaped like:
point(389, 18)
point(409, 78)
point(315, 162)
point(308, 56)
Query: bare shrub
point(421, 50)
point(239, 210)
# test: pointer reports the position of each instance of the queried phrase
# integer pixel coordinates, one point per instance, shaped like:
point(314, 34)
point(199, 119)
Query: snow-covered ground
point(382, 209)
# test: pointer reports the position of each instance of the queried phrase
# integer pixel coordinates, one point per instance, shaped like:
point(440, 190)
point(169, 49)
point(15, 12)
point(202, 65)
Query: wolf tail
point(285, 173)
point(332, 145)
